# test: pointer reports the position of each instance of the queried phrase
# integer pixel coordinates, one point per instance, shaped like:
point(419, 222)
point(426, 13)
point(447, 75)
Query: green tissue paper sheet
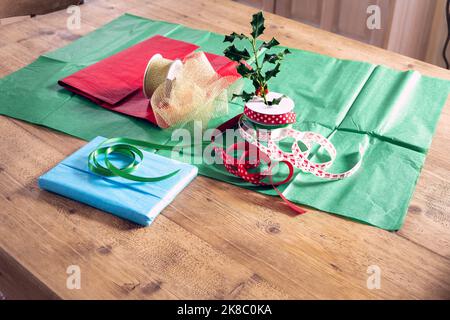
point(392, 114)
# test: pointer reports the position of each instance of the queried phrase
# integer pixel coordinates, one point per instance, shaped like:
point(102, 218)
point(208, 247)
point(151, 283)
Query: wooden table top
point(215, 240)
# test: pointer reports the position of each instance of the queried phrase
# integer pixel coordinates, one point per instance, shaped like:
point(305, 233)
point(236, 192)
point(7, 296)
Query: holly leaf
point(272, 72)
point(257, 25)
point(235, 54)
point(233, 36)
point(271, 58)
point(272, 43)
point(244, 71)
point(246, 96)
point(276, 101)
point(275, 57)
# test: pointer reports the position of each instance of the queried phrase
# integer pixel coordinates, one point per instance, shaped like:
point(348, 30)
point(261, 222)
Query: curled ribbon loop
point(124, 147)
point(266, 140)
point(240, 166)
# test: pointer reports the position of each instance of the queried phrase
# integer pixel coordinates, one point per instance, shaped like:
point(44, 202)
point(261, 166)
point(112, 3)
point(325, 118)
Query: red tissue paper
point(115, 83)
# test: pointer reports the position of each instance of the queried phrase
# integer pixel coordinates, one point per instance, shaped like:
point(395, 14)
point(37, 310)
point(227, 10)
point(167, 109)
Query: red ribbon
point(270, 119)
point(240, 166)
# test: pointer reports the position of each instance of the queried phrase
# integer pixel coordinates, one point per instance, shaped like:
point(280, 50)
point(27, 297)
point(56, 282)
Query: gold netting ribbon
point(194, 91)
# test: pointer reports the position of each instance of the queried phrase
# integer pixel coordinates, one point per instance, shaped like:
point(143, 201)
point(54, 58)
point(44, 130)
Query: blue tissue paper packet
point(139, 202)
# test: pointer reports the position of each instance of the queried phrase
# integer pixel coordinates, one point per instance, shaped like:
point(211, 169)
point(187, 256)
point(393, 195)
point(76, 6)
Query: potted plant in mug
point(261, 105)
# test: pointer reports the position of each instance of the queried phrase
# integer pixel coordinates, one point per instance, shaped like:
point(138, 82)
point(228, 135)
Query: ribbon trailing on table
point(239, 167)
point(129, 148)
point(256, 137)
point(298, 158)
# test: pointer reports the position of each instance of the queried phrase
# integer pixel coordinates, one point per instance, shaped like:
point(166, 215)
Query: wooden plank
point(211, 242)
point(16, 282)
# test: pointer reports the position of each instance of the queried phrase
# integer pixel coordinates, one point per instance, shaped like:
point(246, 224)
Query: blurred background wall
point(416, 28)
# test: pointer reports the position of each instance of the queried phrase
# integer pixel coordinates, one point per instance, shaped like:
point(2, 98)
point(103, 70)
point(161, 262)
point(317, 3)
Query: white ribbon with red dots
point(297, 157)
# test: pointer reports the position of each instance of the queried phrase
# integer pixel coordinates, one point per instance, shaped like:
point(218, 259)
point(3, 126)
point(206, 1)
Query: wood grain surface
point(215, 240)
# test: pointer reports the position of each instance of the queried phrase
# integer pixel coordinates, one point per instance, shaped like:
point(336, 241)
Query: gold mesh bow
point(196, 92)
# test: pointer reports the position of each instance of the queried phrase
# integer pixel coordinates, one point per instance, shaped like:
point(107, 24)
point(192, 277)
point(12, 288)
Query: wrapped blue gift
point(139, 202)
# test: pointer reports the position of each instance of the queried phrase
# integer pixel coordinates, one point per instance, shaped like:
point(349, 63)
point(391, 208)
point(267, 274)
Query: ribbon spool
point(273, 116)
point(184, 91)
point(159, 70)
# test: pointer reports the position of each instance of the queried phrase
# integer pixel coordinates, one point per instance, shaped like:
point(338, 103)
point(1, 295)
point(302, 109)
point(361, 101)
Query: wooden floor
point(215, 240)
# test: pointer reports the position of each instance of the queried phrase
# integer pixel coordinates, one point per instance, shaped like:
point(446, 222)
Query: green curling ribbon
point(128, 148)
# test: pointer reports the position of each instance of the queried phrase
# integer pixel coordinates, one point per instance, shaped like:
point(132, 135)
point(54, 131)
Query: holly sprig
point(244, 58)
